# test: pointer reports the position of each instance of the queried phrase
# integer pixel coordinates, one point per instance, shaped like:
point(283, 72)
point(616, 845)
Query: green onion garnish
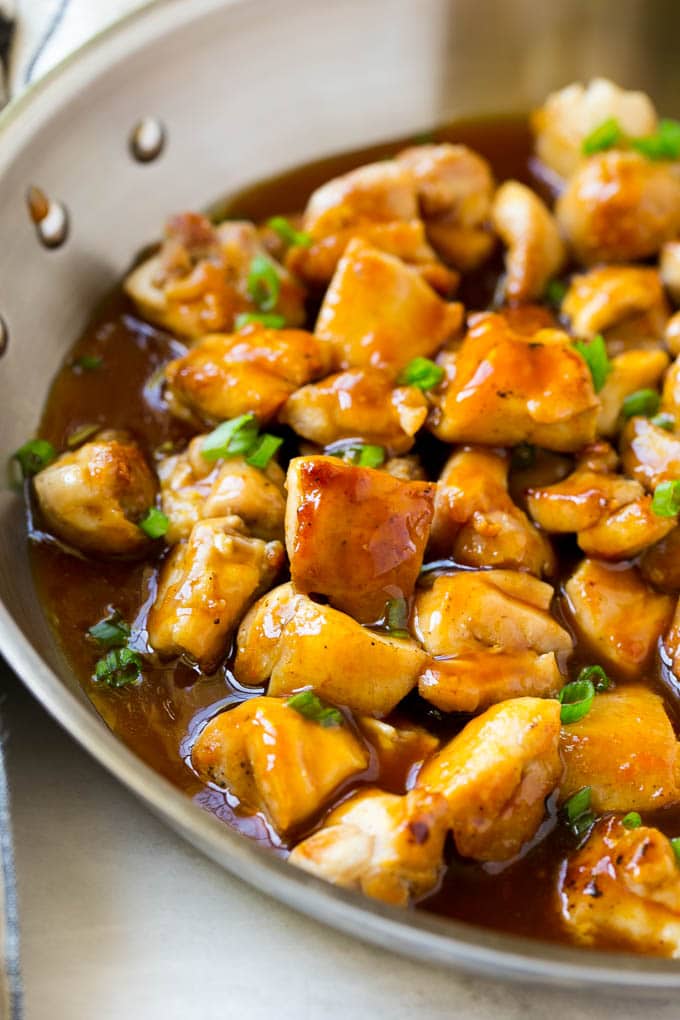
point(555, 293)
point(270, 320)
point(118, 668)
point(597, 677)
point(263, 283)
point(359, 454)
point(263, 451)
point(664, 144)
point(309, 705)
point(576, 699)
point(675, 843)
point(605, 136)
point(154, 523)
point(287, 232)
point(33, 456)
point(664, 421)
point(421, 372)
point(632, 820)
point(113, 632)
point(523, 456)
point(666, 499)
point(596, 357)
point(231, 438)
point(577, 812)
point(642, 402)
point(88, 363)
point(79, 436)
point(396, 617)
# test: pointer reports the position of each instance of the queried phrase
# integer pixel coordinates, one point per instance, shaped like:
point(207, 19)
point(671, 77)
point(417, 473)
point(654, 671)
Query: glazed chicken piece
point(506, 388)
point(198, 281)
point(619, 207)
point(455, 187)
point(475, 520)
point(400, 750)
point(669, 268)
point(296, 643)
point(193, 488)
point(660, 565)
point(360, 403)
point(567, 118)
point(625, 750)
point(492, 637)
point(496, 774)
point(672, 643)
point(388, 847)
point(205, 587)
point(624, 886)
point(276, 761)
point(535, 251)
point(226, 375)
point(608, 298)
point(631, 371)
point(373, 524)
point(379, 312)
point(603, 601)
point(649, 453)
point(94, 497)
point(612, 515)
point(670, 396)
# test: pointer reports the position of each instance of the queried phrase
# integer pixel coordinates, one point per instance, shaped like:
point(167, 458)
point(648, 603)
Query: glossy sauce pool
point(160, 718)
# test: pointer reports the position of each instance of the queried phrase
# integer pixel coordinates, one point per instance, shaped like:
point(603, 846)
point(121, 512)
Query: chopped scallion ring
point(577, 812)
point(88, 363)
point(287, 232)
point(555, 293)
point(113, 632)
point(664, 144)
point(596, 357)
point(664, 421)
point(263, 451)
point(632, 820)
point(270, 320)
point(33, 456)
point(675, 843)
point(666, 499)
point(231, 439)
point(263, 283)
point(642, 402)
point(118, 668)
point(605, 136)
point(396, 617)
point(597, 677)
point(421, 372)
point(576, 700)
point(309, 705)
point(80, 435)
point(154, 523)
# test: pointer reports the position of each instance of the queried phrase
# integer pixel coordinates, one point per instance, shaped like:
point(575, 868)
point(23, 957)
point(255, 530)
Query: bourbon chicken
point(361, 522)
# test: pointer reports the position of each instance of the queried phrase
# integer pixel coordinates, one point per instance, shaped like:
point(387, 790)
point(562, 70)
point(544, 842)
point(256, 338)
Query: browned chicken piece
point(360, 403)
point(379, 312)
point(455, 187)
point(506, 388)
point(296, 643)
point(193, 488)
point(672, 334)
point(568, 116)
point(670, 396)
point(669, 267)
point(532, 467)
point(535, 251)
point(371, 524)
point(276, 761)
point(631, 371)
point(625, 750)
point(619, 207)
point(226, 375)
point(400, 750)
point(649, 453)
point(612, 515)
point(623, 887)
point(607, 296)
point(407, 469)
point(205, 587)
point(496, 774)
point(94, 497)
point(603, 601)
point(660, 565)
point(671, 643)
point(388, 847)
point(198, 281)
point(492, 637)
point(476, 522)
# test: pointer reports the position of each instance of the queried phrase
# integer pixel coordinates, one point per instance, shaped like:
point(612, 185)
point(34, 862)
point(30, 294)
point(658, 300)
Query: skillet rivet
point(4, 336)
point(147, 139)
point(50, 217)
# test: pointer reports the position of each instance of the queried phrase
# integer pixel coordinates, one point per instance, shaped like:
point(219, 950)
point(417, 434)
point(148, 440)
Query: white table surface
point(122, 920)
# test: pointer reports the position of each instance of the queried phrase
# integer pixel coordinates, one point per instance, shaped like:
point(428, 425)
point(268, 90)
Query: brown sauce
point(159, 718)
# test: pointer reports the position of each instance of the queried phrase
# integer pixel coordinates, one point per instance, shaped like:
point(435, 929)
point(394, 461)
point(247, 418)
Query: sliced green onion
point(421, 372)
point(596, 357)
point(80, 435)
point(265, 448)
point(370, 456)
point(287, 232)
point(231, 438)
point(666, 499)
point(154, 523)
point(642, 402)
point(113, 632)
point(577, 812)
point(118, 668)
point(359, 454)
point(270, 320)
point(88, 363)
point(309, 705)
point(605, 136)
point(597, 677)
point(675, 843)
point(523, 456)
point(424, 138)
point(664, 421)
point(555, 293)
point(664, 144)
point(263, 283)
point(33, 456)
point(396, 617)
point(576, 700)
point(632, 820)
